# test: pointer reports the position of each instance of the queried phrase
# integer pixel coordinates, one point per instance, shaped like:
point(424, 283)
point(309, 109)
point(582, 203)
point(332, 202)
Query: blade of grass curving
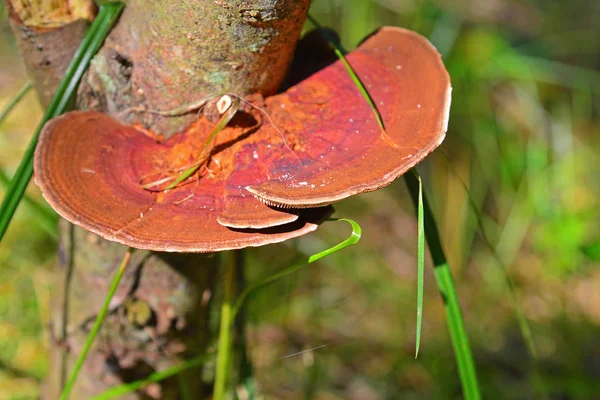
point(92, 41)
point(223, 121)
point(444, 279)
point(155, 377)
point(169, 372)
point(351, 240)
point(420, 266)
point(229, 313)
point(46, 216)
point(229, 310)
point(96, 327)
point(14, 101)
point(340, 53)
point(458, 334)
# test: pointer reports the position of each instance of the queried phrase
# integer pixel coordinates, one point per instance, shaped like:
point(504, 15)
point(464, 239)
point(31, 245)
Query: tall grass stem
point(96, 327)
point(14, 101)
point(61, 101)
point(458, 334)
point(420, 266)
point(225, 340)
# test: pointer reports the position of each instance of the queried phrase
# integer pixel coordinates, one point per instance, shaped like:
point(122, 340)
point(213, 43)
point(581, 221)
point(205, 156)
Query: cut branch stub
point(47, 35)
point(317, 143)
point(345, 150)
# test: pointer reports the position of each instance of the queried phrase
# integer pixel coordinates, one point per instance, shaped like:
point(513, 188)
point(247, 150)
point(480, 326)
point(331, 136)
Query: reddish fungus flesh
point(317, 143)
point(88, 167)
point(344, 151)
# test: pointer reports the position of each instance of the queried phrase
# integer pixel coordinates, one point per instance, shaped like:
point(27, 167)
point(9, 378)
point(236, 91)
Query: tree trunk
point(169, 54)
point(158, 315)
point(162, 54)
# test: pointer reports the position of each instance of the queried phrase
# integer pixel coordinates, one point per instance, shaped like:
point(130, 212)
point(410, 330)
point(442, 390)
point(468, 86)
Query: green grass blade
point(97, 324)
point(223, 121)
point(351, 240)
point(229, 310)
point(458, 334)
point(339, 52)
point(155, 377)
point(15, 100)
point(92, 41)
point(46, 216)
point(225, 340)
point(420, 266)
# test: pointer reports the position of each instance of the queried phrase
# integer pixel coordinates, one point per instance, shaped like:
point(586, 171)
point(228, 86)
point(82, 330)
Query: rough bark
point(170, 54)
point(158, 315)
point(162, 54)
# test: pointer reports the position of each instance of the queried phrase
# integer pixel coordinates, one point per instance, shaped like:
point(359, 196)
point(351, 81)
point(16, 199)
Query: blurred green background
point(515, 189)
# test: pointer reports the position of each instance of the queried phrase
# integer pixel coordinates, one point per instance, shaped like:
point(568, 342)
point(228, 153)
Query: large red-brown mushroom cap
point(315, 144)
point(338, 132)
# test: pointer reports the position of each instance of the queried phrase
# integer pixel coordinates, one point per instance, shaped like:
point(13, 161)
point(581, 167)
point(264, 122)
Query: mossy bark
point(169, 54)
point(162, 54)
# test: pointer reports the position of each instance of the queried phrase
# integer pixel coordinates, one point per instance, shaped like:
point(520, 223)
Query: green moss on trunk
point(173, 53)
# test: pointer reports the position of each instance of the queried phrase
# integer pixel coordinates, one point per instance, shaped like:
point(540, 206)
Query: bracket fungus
point(272, 172)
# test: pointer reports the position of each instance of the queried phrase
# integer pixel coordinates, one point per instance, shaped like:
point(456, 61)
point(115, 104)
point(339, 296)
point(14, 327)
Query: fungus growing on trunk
point(270, 172)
